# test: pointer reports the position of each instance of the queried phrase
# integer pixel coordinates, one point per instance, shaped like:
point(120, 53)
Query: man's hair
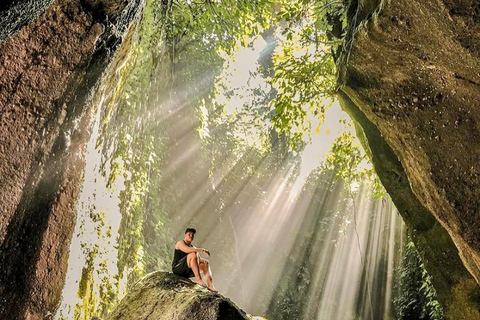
point(191, 230)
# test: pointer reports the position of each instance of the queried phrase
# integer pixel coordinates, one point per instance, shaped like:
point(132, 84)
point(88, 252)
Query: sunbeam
point(290, 235)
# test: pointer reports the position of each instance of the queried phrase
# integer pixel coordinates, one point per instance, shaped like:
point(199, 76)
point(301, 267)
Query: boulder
point(165, 296)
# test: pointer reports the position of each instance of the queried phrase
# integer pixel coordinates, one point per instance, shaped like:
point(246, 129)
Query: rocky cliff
point(55, 56)
point(165, 296)
point(410, 76)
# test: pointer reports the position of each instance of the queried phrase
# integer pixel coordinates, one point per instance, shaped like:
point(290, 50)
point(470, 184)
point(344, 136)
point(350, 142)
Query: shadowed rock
point(58, 60)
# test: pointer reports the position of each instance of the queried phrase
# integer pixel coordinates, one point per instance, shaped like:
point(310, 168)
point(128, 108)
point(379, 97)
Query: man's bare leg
point(194, 264)
point(207, 273)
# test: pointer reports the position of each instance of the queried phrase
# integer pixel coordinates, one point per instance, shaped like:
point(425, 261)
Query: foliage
point(177, 44)
point(240, 102)
point(304, 79)
point(291, 83)
point(96, 290)
point(345, 157)
point(175, 64)
point(417, 297)
point(297, 69)
point(350, 163)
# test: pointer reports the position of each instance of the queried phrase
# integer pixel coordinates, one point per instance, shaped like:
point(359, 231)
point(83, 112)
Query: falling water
point(93, 256)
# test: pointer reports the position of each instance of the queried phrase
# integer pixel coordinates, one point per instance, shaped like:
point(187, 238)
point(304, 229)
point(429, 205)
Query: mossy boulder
point(163, 295)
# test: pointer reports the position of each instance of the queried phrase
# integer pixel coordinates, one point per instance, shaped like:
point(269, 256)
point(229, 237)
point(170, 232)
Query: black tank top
point(179, 254)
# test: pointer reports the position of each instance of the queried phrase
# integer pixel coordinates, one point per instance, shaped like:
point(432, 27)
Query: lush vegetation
point(416, 297)
point(179, 71)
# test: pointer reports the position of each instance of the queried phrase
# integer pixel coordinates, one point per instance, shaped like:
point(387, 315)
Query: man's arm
point(183, 247)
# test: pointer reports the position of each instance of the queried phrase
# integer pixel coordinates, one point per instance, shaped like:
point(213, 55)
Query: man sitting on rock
point(188, 263)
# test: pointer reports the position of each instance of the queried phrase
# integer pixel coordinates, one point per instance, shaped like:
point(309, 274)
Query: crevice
point(153, 309)
point(458, 76)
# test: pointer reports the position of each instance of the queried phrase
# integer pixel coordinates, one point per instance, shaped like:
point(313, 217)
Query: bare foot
point(201, 283)
point(213, 289)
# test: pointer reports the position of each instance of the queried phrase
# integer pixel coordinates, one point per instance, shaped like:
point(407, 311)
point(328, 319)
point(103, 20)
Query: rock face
point(411, 80)
point(50, 75)
point(456, 289)
point(412, 72)
point(16, 14)
point(165, 296)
